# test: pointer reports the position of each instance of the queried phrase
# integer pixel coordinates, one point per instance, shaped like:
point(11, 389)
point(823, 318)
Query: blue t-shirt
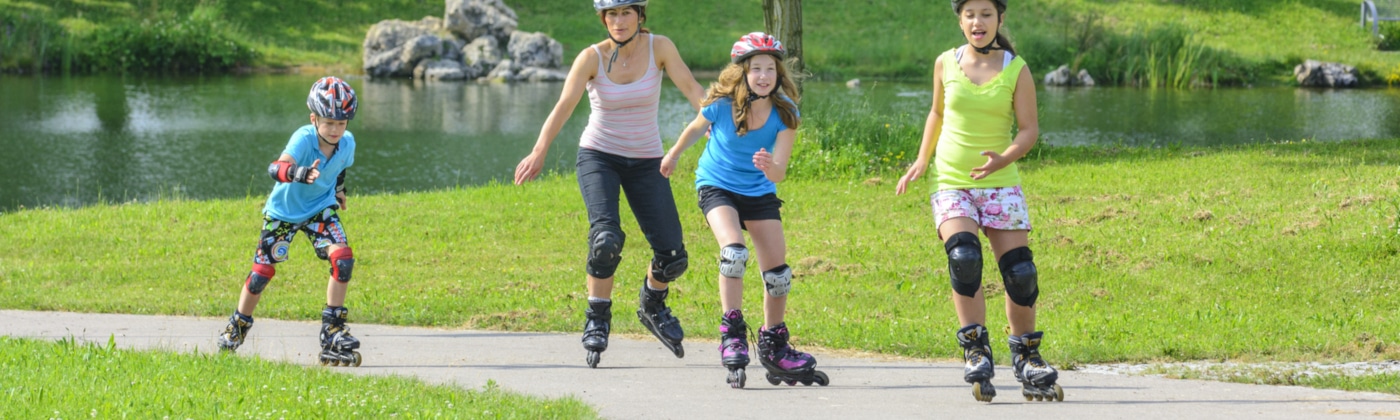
point(296, 202)
point(728, 160)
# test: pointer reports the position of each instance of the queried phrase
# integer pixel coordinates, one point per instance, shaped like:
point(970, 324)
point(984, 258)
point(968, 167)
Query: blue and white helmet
point(332, 98)
point(601, 5)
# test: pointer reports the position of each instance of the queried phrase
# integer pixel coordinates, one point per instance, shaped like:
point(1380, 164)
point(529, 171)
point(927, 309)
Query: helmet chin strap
point(620, 44)
point(988, 49)
point(755, 96)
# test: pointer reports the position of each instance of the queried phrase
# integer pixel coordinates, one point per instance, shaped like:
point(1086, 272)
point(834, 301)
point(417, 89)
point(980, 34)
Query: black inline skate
point(734, 347)
point(658, 319)
point(235, 332)
point(980, 370)
point(784, 363)
point(337, 345)
point(1037, 377)
point(596, 326)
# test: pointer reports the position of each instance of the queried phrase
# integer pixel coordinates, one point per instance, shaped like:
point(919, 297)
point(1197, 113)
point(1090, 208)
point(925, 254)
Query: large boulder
point(443, 69)
point(384, 46)
point(538, 74)
point(1063, 77)
point(535, 49)
point(471, 19)
point(483, 52)
point(1313, 73)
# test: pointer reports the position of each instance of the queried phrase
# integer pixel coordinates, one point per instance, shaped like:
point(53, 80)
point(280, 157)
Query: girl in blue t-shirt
point(751, 114)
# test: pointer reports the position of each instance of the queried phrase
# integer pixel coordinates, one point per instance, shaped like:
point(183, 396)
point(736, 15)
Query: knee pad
point(732, 259)
point(667, 268)
point(778, 281)
point(604, 250)
point(1018, 274)
point(342, 262)
point(965, 263)
point(259, 277)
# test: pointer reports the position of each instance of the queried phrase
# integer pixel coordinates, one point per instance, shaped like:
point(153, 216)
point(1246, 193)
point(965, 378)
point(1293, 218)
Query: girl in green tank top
point(980, 91)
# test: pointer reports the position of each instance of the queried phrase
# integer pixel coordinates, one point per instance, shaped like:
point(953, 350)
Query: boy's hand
point(313, 173)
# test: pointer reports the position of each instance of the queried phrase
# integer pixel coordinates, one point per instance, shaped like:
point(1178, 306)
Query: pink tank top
point(623, 117)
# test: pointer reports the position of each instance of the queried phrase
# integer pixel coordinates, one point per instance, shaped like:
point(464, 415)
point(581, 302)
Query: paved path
point(640, 378)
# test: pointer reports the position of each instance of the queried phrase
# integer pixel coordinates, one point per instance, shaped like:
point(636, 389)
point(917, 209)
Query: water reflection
point(76, 141)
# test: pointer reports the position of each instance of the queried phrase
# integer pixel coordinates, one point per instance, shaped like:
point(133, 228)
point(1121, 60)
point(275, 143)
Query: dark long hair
point(1001, 39)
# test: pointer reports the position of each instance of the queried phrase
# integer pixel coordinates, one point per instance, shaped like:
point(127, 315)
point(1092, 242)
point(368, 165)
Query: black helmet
point(956, 4)
point(601, 5)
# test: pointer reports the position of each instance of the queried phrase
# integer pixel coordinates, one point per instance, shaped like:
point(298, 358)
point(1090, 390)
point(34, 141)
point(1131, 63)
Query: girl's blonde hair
point(733, 84)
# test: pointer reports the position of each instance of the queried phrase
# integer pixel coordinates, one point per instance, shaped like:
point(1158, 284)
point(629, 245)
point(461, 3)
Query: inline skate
point(658, 319)
point(734, 347)
point(337, 345)
point(784, 363)
point(979, 370)
point(596, 326)
point(235, 332)
point(1037, 378)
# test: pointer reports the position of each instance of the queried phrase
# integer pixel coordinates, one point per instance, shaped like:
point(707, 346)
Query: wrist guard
point(283, 171)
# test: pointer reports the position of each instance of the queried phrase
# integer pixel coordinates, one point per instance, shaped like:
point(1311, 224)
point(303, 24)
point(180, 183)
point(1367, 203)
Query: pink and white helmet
point(332, 98)
point(756, 43)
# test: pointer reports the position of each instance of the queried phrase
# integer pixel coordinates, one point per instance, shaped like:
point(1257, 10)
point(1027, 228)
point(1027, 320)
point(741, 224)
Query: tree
point(783, 19)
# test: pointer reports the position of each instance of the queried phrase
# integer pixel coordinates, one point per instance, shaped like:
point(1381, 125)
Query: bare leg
point(771, 249)
point(724, 222)
point(1021, 318)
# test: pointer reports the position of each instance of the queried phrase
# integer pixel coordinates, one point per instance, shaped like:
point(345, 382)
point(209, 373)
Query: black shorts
point(763, 207)
point(324, 229)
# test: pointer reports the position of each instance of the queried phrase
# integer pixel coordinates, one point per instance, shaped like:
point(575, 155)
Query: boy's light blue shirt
point(296, 202)
point(728, 160)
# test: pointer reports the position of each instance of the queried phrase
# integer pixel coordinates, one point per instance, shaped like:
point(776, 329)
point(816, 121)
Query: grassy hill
point(1169, 42)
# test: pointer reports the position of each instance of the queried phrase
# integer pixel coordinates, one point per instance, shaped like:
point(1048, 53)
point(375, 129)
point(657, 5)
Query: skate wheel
point(737, 378)
point(324, 361)
point(680, 352)
point(982, 394)
point(772, 380)
point(821, 378)
point(593, 357)
point(1059, 392)
point(790, 382)
point(806, 382)
point(1028, 393)
point(356, 361)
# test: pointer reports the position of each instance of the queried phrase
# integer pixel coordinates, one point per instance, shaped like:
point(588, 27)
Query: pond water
point(73, 141)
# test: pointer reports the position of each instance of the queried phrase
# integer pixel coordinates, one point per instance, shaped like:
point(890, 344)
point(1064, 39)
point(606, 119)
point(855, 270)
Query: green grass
point(1232, 41)
point(43, 379)
point(1279, 252)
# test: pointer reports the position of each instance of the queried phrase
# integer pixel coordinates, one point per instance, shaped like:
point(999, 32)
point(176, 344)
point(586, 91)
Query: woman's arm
point(670, 61)
point(584, 69)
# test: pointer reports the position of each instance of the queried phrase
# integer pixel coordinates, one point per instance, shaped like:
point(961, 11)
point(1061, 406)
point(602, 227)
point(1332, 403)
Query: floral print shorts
point(994, 208)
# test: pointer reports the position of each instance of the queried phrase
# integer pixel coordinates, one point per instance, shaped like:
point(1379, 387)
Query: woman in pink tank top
point(620, 151)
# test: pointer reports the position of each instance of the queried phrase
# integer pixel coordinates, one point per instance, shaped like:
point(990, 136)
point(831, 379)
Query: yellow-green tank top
point(976, 118)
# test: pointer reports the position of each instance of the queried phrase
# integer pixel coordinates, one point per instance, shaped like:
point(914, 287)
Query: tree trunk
point(783, 19)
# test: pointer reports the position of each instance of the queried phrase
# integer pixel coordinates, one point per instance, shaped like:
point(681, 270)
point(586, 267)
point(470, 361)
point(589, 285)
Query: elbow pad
point(283, 171)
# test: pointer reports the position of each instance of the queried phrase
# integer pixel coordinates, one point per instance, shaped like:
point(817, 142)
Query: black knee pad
point(1018, 274)
point(666, 267)
point(604, 250)
point(259, 278)
point(965, 263)
point(342, 263)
